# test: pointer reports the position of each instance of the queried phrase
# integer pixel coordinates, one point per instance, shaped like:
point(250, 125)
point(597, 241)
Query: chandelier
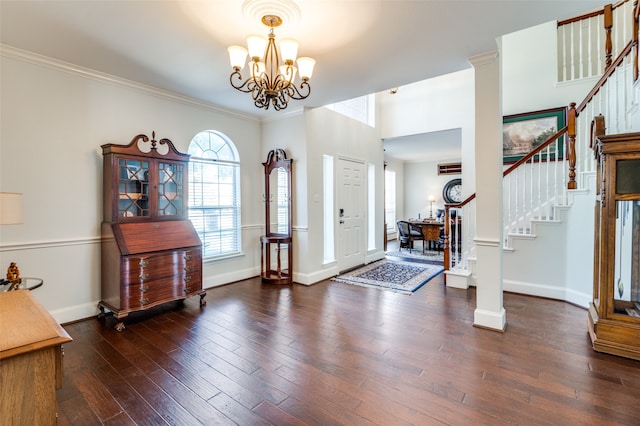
point(270, 82)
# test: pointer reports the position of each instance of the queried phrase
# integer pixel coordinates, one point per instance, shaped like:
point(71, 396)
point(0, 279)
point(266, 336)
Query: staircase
point(549, 194)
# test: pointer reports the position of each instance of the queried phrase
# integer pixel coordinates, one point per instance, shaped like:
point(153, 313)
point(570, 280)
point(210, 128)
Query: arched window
point(214, 193)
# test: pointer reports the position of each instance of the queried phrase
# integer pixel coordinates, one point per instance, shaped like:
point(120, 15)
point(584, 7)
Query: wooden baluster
point(571, 145)
point(608, 24)
point(447, 253)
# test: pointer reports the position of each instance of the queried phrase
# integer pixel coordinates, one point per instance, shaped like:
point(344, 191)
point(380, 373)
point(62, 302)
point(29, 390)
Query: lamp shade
point(256, 45)
point(10, 208)
point(305, 67)
point(237, 56)
point(288, 49)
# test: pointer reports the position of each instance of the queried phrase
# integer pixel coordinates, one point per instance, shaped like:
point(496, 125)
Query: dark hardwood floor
point(333, 354)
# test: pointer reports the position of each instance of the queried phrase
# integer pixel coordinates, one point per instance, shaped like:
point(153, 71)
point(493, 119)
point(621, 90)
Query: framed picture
point(521, 133)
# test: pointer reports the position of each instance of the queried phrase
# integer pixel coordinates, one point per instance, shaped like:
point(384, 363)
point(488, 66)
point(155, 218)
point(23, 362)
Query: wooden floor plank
point(332, 353)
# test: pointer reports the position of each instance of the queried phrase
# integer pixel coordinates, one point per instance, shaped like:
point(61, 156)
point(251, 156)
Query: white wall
point(529, 59)
point(319, 132)
point(437, 104)
point(331, 133)
point(528, 84)
point(398, 167)
point(54, 119)
point(529, 72)
point(420, 181)
point(289, 133)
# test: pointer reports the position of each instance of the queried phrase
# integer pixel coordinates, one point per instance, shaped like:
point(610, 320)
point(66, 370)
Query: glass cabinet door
point(626, 266)
point(133, 188)
point(170, 189)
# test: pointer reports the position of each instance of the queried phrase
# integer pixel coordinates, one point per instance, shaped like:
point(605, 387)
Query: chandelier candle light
point(269, 81)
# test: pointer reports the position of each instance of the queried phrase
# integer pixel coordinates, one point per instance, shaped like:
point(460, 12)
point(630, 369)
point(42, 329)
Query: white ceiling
point(361, 46)
point(433, 146)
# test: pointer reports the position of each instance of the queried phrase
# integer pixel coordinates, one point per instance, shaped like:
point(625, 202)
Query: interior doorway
point(351, 210)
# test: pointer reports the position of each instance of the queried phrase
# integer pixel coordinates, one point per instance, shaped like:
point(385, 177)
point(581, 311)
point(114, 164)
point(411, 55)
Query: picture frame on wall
point(522, 133)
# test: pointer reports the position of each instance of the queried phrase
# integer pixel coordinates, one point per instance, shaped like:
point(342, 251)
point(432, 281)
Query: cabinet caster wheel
point(119, 326)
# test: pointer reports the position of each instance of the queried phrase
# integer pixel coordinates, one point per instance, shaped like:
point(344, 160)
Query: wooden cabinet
point(30, 360)
point(614, 314)
point(151, 253)
point(144, 180)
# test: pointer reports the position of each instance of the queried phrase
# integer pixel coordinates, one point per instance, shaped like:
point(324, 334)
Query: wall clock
point(452, 191)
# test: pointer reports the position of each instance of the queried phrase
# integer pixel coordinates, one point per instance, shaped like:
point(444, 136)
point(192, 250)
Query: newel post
point(571, 145)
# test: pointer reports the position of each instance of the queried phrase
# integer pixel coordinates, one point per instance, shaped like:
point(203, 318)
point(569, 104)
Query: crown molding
point(483, 58)
point(47, 62)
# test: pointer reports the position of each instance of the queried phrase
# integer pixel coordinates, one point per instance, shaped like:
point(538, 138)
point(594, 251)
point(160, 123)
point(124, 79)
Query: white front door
point(351, 214)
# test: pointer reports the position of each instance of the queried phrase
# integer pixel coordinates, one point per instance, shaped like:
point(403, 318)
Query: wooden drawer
point(159, 291)
point(137, 269)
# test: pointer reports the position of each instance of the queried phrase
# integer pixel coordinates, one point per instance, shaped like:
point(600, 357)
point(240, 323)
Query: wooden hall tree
point(278, 229)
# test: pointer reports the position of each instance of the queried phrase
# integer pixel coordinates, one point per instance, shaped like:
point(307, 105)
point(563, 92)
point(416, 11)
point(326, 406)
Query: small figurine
point(13, 273)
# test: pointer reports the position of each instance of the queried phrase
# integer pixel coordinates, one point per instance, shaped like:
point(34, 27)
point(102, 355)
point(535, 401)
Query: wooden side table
point(25, 283)
point(279, 275)
point(30, 360)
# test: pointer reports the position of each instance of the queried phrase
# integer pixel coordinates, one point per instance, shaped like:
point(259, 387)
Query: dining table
point(430, 229)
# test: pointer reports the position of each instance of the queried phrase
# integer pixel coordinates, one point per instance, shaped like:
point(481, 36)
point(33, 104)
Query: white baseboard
point(491, 320)
point(317, 276)
point(549, 292)
point(75, 313)
point(458, 279)
point(229, 277)
point(373, 257)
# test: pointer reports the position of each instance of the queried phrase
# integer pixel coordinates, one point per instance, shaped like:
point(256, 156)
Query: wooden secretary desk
point(151, 252)
point(614, 313)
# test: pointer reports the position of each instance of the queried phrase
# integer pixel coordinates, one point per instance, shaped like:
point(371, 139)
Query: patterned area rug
point(402, 277)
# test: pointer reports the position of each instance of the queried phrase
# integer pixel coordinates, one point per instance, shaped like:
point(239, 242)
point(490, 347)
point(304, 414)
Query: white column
point(489, 311)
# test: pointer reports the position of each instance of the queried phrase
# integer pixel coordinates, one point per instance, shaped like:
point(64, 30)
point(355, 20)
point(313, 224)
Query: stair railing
point(587, 43)
point(533, 186)
point(458, 239)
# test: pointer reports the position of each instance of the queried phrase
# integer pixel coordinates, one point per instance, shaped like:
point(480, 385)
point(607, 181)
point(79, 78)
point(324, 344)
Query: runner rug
point(402, 277)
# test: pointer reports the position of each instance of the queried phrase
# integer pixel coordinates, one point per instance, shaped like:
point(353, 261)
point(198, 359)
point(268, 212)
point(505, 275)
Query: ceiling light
point(271, 78)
